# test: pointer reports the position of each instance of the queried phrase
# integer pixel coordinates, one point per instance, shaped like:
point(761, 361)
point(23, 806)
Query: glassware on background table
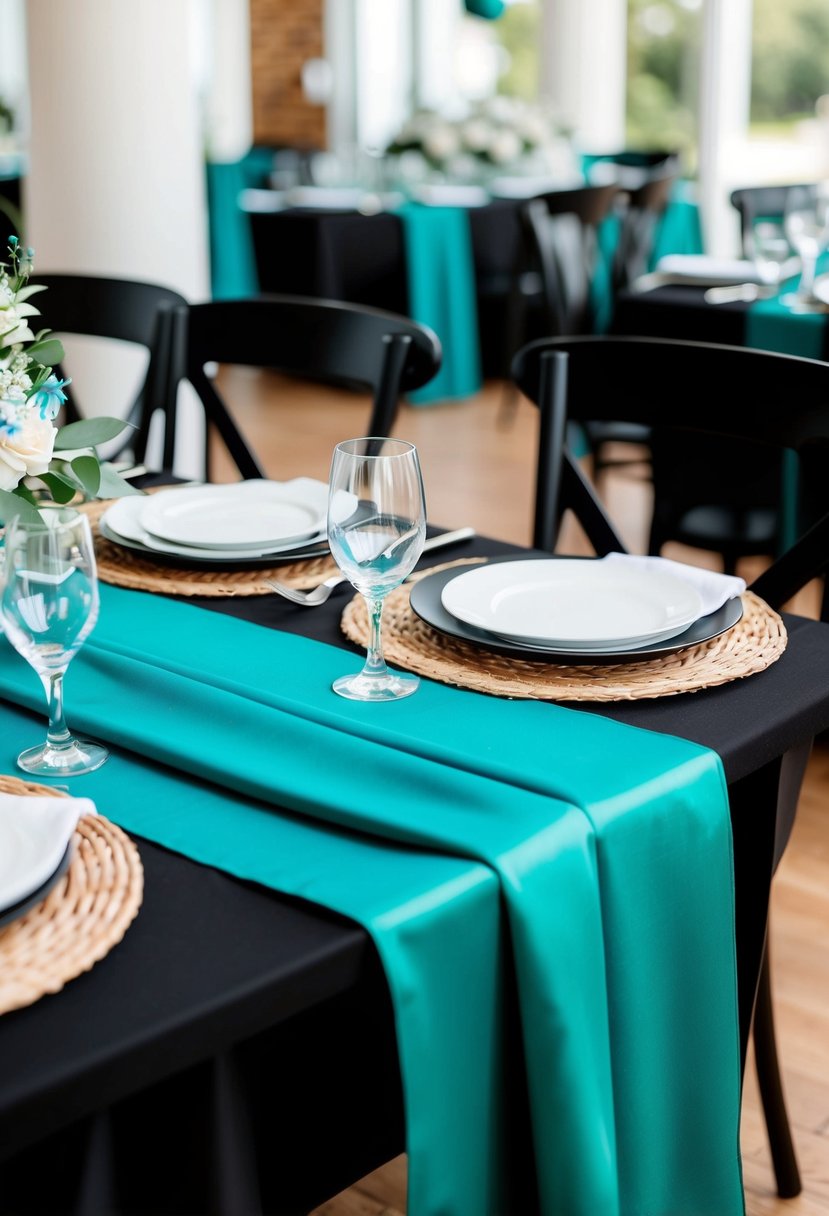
point(376, 529)
point(806, 222)
point(49, 605)
point(769, 249)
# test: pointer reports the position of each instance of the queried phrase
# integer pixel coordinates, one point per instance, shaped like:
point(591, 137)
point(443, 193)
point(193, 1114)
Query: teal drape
point(608, 849)
point(441, 282)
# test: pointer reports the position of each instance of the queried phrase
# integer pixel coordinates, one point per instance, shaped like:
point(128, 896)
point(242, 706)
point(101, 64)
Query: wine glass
point(49, 604)
point(806, 221)
point(376, 529)
point(769, 248)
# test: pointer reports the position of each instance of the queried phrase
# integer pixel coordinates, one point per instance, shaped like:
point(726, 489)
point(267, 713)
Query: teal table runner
point(609, 872)
point(441, 277)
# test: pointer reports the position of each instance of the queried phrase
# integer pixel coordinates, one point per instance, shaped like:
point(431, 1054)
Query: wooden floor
point(477, 461)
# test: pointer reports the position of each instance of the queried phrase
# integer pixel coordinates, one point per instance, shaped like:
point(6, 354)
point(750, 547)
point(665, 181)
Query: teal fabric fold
point(773, 325)
point(232, 259)
point(434, 919)
point(441, 281)
point(609, 871)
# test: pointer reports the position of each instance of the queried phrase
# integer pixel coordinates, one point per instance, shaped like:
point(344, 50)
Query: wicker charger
point(84, 915)
point(127, 568)
point(752, 645)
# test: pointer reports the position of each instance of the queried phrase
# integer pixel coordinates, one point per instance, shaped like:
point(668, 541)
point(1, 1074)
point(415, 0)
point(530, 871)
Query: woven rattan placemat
point(85, 914)
point(127, 568)
point(753, 644)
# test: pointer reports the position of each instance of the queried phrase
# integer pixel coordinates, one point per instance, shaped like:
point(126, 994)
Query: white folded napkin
point(715, 589)
point(701, 268)
point(34, 835)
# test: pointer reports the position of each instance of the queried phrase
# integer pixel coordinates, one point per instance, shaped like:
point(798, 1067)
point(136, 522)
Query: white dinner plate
point(248, 515)
point(121, 523)
point(572, 604)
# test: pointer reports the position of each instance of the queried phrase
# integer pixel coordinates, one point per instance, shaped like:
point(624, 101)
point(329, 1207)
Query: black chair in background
point(646, 181)
point(687, 387)
point(125, 310)
point(549, 288)
point(754, 203)
point(317, 340)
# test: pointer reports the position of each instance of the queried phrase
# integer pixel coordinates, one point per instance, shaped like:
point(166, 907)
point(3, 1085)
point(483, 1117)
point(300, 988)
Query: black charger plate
point(302, 553)
point(7, 915)
point(426, 602)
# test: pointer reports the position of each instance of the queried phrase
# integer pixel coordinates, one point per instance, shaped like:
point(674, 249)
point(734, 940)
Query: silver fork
point(311, 599)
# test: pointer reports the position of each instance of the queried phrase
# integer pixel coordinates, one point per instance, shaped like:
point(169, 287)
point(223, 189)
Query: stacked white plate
point(238, 522)
point(573, 606)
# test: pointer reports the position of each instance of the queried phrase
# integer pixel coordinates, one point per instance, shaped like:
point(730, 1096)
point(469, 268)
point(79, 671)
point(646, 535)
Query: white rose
point(476, 134)
point(505, 147)
point(27, 452)
point(441, 143)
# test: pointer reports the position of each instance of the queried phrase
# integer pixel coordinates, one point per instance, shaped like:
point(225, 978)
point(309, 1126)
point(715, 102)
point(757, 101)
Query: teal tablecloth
point(613, 880)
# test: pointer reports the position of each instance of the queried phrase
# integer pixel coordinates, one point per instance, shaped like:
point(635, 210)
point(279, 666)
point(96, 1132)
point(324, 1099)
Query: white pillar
point(725, 92)
point(583, 72)
point(226, 84)
point(115, 181)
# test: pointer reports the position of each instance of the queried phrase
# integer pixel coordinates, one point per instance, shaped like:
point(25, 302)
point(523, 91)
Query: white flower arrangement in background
point(501, 132)
point(39, 460)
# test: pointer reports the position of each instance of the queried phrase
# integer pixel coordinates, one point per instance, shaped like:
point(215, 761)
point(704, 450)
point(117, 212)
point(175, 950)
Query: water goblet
point(806, 221)
point(769, 248)
point(49, 605)
point(376, 529)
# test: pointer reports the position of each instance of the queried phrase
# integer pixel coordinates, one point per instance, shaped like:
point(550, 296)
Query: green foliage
point(519, 32)
point(88, 433)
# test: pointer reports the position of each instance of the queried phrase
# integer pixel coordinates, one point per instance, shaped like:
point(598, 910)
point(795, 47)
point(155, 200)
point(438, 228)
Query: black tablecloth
point(361, 259)
point(682, 312)
point(245, 1041)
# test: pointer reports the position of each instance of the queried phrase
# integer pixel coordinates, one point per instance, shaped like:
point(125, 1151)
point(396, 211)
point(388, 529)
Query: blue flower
point(50, 397)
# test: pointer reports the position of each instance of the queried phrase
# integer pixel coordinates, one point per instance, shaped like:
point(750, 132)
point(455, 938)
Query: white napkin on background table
point(34, 835)
point(715, 589)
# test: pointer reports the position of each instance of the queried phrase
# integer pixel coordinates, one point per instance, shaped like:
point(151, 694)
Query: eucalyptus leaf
point(13, 505)
point(88, 472)
point(113, 484)
point(50, 351)
point(61, 488)
point(88, 433)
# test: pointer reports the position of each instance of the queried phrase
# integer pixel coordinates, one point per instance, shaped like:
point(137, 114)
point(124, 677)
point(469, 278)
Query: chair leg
point(783, 1157)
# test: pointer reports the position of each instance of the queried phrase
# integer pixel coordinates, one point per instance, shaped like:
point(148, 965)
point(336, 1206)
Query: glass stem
point(807, 277)
point(57, 734)
point(375, 664)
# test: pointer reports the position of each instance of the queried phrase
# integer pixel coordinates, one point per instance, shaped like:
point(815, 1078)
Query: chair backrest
point(127, 310)
point(753, 203)
point(560, 234)
point(647, 181)
point(777, 400)
point(321, 340)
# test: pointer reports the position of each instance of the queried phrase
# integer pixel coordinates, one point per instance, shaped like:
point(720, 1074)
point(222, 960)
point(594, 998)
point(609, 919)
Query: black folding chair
point(555, 262)
point(646, 181)
point(318, 340)
point(126, 310)
point(688, 388)
point(754, 203)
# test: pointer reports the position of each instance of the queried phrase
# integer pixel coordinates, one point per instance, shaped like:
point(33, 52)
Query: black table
point(681, 311)
point(239, 1045)
point(343, 255)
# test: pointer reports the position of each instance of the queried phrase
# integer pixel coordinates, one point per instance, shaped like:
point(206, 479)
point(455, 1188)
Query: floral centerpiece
point(38, 460)
point(502, 133)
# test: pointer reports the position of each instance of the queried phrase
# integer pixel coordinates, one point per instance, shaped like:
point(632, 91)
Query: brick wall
point(284, 33)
